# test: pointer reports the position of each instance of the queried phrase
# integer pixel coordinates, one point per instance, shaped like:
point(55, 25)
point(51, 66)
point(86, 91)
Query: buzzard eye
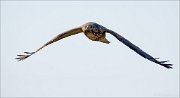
point(95, 29)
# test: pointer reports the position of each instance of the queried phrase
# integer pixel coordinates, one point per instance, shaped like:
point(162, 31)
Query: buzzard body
point(95, 32)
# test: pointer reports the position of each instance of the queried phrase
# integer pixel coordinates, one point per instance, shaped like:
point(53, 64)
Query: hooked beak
point(104, 40)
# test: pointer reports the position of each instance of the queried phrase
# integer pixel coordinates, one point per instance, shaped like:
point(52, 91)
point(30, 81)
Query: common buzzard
point(96, 32)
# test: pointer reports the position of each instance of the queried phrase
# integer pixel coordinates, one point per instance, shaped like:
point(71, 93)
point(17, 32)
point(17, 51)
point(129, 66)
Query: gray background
point(78, 67)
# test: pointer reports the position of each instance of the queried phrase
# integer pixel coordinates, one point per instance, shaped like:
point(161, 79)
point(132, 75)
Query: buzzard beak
point(104, 40)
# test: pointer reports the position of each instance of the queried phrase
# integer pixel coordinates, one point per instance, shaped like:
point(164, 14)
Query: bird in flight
point(96, 32)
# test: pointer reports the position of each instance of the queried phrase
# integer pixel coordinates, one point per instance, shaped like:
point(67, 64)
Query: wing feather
point(55, 39)
point(138, 50)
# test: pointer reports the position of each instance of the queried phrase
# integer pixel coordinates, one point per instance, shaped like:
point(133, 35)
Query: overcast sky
point(79, 67)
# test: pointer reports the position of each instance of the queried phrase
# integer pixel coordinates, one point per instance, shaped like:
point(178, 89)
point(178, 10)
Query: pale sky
point(79, 67)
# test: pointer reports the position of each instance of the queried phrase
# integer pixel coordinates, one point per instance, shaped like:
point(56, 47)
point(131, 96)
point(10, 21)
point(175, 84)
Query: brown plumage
point(96, 32)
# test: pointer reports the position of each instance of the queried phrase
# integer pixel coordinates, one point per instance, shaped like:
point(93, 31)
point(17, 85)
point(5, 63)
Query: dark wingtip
point(165, 65)
point(29, 52)
point(18, 59)
point(169, 66)
point(162, 63)
point(22, 57)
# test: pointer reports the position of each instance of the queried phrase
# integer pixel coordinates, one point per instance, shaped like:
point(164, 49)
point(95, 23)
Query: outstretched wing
point(57, 38)
point(138, 50)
